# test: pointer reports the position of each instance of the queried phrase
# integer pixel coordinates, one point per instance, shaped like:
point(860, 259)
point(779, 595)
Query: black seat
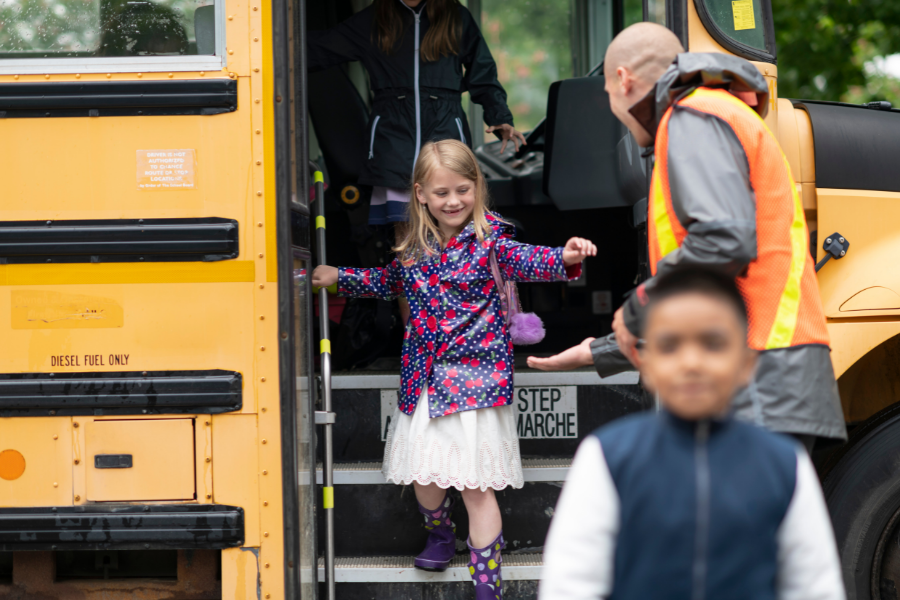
point(339, 117)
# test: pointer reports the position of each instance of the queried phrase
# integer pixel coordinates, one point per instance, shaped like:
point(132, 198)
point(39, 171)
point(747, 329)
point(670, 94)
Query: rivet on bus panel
point(55, 484)
point(46, 77)
point(256, 70)
point(259, 162)
point(255, 8)
point(170, 75)
point(75, 425)
point(259, 224)
point(77, 461)
point(262, 287)
point(231, 17)
point(265, 442)
point(77, 498)
point(262, 317)
point(202, 73)
point(265, 534)
point(267, 565)
point(259, 193)
point(209, 496)
point(77, 75)
point(108, 75)
point(265, 472)
point(55, 437)
point(262, 348)
point(258, 132)
point(267, 595)
point(140, 75)
point(232, 75)
point(260, 255)
point(263, 379)
point(208, 459)
point(255, 39)
point(257, 100)
point(264, 409)
point(265, 503)
point(15, 76)
point(231, 52)
point(207, 422)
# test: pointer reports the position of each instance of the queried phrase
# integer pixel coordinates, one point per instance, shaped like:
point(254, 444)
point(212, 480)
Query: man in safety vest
point(722, 196)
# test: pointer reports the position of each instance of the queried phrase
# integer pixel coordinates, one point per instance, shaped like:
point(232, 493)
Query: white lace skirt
point(476, 449)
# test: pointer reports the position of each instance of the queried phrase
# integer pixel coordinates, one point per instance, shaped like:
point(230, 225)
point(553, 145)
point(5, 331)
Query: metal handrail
point(325, 354)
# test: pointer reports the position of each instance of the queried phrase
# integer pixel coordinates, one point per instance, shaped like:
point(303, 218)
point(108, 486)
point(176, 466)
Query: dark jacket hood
point(691, 70)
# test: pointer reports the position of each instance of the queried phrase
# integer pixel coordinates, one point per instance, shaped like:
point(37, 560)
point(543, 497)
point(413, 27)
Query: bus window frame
point(125, 64)
point(769, 55)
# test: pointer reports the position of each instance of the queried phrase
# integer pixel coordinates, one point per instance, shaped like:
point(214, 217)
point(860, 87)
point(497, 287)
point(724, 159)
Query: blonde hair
point(423, 232)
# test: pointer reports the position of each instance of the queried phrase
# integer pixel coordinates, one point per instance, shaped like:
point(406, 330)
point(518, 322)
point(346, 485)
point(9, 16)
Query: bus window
point(742, 26)
point(531, 43)
point(656, 11)
point(111, 35)
point(633, 12)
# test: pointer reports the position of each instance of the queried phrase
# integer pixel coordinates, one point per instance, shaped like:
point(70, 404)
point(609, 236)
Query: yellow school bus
point(154, 301)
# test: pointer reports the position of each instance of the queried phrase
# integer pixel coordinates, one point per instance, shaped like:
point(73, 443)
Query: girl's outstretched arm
point(523, 262)
point(359, 282)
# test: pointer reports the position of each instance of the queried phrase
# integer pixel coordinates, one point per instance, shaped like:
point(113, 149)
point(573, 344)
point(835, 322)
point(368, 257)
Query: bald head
point(645, 50)
point(635, 59)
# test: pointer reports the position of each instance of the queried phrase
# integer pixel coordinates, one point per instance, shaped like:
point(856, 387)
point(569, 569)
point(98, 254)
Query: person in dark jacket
point(722, 196)
point(421, 55)
point(688, 502)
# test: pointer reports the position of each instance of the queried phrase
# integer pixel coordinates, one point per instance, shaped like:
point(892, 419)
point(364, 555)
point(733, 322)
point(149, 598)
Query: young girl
point(455, 424)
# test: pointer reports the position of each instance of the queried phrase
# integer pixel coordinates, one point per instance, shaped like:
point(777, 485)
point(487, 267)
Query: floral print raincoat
point(456, 343)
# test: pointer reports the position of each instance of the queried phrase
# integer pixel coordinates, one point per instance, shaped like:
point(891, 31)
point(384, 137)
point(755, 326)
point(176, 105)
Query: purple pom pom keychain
point(524, 328)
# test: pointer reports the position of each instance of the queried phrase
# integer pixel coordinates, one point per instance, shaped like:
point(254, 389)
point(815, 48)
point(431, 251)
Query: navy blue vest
point(701, 504)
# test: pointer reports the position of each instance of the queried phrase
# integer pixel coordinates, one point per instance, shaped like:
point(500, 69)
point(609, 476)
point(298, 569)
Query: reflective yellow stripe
point(782, 332)
point(325, 346)
point(320, 222)
point(317, 177)
point(665, 237)
point(327, 497)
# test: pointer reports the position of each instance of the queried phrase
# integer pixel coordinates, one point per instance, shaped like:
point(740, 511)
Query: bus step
point(369, 473)
point(400, 569)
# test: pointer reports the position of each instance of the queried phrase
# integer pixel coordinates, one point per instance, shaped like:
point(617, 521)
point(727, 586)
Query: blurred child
point(689, 503)
point(455, 425)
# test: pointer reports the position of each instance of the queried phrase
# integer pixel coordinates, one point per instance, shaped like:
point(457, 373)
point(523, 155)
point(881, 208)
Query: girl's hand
point(577, 249)
point(507, 132)
point(324, 276)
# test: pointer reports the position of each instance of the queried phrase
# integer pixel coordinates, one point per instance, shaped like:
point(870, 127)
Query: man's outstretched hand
point(577, 356)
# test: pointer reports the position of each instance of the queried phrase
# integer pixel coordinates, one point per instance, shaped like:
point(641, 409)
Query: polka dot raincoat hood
point(456, 343)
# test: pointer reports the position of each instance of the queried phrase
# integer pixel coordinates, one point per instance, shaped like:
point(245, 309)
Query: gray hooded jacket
point(794, 389)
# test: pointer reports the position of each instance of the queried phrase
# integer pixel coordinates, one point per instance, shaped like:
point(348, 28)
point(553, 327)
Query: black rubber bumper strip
point(118, 98)
point(118, 240)
point(122, 527)
point(133, 393)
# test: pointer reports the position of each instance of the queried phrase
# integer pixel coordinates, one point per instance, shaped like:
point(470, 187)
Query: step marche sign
point(543, 413)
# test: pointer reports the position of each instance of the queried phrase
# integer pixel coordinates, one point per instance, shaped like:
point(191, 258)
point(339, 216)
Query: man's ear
point(420, 194)
point(625, 80)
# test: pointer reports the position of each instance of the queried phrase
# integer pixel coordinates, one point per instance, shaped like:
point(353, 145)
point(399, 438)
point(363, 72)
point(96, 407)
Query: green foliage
point(831, 49)
point(531, 44)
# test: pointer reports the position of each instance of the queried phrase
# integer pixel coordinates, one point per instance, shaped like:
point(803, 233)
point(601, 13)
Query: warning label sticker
point(743, 14)
point(166, 169)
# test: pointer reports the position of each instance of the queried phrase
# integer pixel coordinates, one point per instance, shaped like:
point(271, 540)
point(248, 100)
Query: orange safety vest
point(779, 287)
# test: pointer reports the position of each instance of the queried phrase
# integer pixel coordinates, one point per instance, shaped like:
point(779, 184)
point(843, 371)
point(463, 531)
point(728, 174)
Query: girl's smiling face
point(450, 199)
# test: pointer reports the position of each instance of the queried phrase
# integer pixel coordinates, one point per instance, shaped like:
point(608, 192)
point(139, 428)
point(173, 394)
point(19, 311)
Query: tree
point(832, 49)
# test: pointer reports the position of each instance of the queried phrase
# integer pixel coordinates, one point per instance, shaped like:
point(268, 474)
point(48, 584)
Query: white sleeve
point(808, 565)
point(580, 549)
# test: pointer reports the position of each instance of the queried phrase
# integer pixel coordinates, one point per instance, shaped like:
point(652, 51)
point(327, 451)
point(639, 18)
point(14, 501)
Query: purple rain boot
point(484, 567)
point(440, 548)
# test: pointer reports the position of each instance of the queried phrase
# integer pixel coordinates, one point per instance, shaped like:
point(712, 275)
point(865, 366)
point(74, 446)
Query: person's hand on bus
point(624, 338)
point(577, 356)
point(577, 249)
point(508, 132)
point(324, 276)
